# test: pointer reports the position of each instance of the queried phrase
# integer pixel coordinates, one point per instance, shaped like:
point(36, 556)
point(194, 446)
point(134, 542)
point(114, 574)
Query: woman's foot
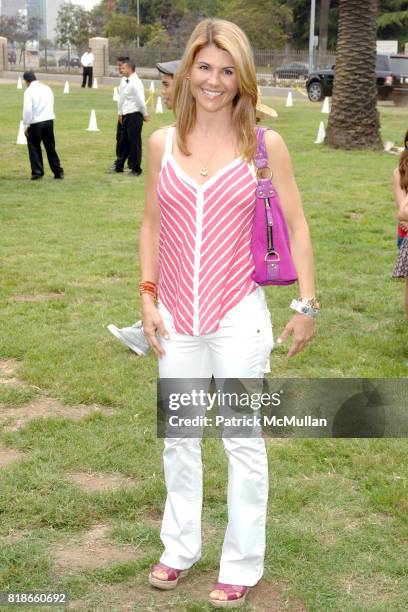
point(228, 595)
point(164, 577)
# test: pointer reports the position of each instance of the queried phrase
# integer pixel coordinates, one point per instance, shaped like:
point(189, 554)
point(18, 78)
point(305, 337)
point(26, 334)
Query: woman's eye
point(203, 67)
point(228, 72)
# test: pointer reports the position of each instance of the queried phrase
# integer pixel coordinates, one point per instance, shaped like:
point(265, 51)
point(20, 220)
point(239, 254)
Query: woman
point(401, 198)
point(212, 318)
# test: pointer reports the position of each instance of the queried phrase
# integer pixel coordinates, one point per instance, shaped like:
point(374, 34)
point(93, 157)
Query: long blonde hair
point(403, 165)
point(229, 37)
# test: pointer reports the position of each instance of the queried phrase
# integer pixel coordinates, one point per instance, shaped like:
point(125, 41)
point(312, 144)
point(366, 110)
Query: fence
point(274, 66)
point(44, 59)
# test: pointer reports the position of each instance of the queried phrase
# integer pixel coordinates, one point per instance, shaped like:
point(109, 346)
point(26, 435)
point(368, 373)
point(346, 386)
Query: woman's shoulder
point(273, 139)
point(157, 141)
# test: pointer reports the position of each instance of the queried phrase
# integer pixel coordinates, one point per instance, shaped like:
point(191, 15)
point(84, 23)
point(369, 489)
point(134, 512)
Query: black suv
point(392, 80)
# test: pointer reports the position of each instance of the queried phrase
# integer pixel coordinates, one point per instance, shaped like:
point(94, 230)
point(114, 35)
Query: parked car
point(73, 61)
point(392, 80)
point(293, 70)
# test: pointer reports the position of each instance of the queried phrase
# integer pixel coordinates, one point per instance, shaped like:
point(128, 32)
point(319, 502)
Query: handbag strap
point(265, 190)
point(261, 155)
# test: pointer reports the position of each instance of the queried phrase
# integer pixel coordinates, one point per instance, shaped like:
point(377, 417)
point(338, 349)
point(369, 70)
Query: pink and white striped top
point(205, 257)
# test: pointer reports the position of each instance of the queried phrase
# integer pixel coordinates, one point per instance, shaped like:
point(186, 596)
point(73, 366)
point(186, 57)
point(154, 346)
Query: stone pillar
point(3, 54)
point(100, 49)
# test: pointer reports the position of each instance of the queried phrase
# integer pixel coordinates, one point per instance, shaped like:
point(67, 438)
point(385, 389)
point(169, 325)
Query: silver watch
point(307, 306)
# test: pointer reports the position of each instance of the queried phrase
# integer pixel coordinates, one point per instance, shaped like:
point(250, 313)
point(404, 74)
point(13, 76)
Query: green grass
point(337, 520)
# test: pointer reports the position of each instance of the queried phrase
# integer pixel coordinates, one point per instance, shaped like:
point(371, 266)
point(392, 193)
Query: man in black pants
point(38, 119)
point(119, 125)
point(87, 61)
point(132, 112)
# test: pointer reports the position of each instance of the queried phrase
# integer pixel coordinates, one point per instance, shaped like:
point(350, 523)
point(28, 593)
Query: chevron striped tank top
point(205, 257)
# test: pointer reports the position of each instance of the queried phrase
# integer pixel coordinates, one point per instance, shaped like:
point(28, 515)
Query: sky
point(88, 4)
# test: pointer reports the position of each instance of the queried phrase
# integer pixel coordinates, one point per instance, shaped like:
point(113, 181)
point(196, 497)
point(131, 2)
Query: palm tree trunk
point(354, 121)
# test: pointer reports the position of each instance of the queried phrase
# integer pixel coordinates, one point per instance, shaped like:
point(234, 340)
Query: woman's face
point(213, 79)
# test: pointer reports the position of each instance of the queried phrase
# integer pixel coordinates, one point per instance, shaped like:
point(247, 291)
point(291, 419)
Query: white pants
point(238, 349)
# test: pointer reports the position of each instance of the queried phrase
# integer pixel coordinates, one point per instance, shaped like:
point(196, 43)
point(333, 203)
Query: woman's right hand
point(153, 324)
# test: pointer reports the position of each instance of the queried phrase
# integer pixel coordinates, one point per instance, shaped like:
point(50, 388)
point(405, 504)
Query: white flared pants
point(238, 349)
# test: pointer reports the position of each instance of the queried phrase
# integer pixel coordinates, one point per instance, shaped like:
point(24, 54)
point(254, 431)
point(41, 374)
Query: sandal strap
point(172, 573)
point(231, 590)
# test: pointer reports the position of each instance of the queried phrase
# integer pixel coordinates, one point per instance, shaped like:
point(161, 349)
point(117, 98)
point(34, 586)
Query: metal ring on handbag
point(258, 170)
point(273, 253)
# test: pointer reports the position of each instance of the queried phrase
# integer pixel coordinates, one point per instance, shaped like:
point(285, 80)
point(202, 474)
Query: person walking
point(38, 120)
point(132, 113)
point(87, 62)
point(212, 318)
point(400, 184)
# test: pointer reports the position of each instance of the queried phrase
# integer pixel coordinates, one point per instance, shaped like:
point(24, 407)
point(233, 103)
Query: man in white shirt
point(131, 114)
point(119, 126)
point(87, 61)
point(38, 119)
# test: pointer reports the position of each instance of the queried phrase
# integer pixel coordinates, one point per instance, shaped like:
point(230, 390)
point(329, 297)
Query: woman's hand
point(153, 323)
point(302, 328)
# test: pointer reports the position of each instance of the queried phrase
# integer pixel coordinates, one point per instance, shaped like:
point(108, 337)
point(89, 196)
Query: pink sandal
point(173, 576)
point(236, 595)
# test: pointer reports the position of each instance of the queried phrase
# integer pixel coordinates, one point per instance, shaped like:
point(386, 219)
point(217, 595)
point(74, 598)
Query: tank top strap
point(169, 144)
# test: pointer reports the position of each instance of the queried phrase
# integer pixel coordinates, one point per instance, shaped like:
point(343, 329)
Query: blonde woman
point(212, 318)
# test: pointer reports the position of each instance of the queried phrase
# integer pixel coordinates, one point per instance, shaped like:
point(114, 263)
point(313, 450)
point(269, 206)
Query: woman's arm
point(301, 326)
point(149, 241)
point(401, 197)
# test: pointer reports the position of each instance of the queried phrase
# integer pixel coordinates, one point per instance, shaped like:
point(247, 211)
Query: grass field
point(81, 491)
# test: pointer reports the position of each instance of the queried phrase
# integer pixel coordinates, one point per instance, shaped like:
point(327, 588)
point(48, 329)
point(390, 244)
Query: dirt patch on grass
point(101, 481)
point(8, 368)
point(16, 535)
point(39, 297)
point(8, 456)
point(354, 216)
point(270, 598)
point(124, 597)
point(15, 418)
point(91, 550)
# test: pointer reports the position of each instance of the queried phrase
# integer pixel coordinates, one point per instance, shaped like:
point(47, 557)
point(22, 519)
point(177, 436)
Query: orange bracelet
point(148, 287)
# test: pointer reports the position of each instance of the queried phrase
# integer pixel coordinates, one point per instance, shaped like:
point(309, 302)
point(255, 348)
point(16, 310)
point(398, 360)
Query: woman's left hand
point(302, 328)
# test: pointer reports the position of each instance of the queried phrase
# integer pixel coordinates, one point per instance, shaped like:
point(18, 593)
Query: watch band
point(306, 307)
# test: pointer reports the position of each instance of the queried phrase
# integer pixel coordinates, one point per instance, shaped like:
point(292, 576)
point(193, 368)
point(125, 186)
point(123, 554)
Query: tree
point(354, 120)
point(262, 21)
point(123, 27)
point(74, 25)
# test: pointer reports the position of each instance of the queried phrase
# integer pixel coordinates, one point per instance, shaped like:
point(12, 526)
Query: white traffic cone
point(21, 138)
point(95, 83)
point(115, 94)
point(289, 99)
point(19, 83)
point(159, 105)
point(92, 127)
point(326, 105)
point(151, 88)
point(321, 134)
point(66, 87)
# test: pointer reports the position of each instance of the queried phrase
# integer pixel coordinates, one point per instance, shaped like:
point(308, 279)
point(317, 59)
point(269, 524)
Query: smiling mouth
point(211, 94)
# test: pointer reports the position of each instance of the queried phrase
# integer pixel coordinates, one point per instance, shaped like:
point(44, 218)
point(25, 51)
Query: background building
point(45, 10)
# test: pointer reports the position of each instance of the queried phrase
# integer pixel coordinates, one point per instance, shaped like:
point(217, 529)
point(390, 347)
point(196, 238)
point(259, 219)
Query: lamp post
point(138, 23)
point(312, 33)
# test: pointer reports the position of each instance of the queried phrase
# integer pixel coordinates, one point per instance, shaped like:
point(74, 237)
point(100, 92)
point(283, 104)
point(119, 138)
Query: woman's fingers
point(151, 329)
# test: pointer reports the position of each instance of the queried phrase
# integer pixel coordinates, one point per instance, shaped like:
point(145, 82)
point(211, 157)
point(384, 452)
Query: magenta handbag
point(270, 239)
